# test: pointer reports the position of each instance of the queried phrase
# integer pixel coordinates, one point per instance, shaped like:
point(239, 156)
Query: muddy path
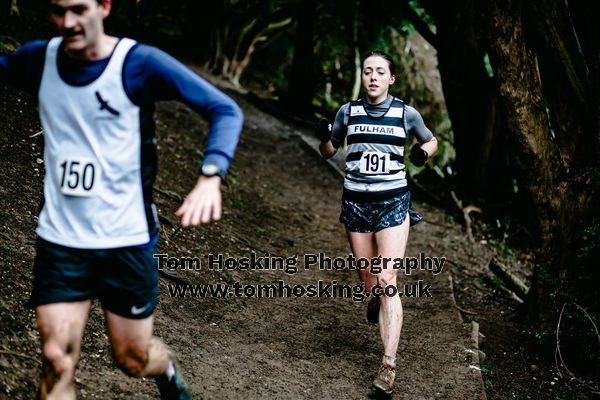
point(280, 199)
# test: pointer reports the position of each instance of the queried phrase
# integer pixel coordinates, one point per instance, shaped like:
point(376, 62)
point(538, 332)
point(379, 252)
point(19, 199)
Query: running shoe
point(373, 310)
point(384, 382)
point(175, 388)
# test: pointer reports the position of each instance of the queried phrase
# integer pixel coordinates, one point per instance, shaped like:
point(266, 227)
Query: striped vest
point(375, 156)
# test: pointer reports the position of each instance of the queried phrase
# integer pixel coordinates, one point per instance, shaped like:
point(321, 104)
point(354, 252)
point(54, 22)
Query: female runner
point(375, 201)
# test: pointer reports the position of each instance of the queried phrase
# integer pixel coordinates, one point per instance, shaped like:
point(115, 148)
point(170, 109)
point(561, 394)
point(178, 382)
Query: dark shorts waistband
point(368, 197)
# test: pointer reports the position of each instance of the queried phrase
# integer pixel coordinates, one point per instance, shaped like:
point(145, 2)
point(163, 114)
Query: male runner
point(98, 229)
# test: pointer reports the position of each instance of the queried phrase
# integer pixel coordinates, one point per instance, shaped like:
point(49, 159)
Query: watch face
point(210, 169)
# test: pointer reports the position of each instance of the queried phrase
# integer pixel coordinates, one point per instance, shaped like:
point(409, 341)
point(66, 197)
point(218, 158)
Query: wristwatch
point(211, 170)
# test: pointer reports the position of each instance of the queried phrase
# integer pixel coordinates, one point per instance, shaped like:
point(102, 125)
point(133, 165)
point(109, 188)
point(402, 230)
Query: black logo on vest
point(104, 105)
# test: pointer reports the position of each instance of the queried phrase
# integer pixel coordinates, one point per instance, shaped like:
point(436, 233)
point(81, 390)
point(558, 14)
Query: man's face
point(79, 22)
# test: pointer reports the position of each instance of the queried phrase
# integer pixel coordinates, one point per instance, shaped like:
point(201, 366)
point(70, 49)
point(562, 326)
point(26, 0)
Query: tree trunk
point(197, 26)
point(236, 31)
point(559, 189)
point(14, 8)
point(470, 97)
point(301, 88)
point(357, 56)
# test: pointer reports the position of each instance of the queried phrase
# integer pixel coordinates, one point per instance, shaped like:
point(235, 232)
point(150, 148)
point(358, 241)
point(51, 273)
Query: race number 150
point(77, 177)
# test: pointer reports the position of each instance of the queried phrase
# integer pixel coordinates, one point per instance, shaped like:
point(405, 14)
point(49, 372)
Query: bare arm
point(203, 203)
point(430, 147)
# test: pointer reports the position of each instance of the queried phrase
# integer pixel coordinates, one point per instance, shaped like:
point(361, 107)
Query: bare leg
point(391, 243)
point(136, 351)
point(363, 246)
point(61, 327)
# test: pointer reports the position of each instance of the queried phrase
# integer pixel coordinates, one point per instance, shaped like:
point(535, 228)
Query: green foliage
point(590, 241)
point(496, 282)
point(542, 336)
point(264, 75)
point(382, 41)
point(422, 14)
point(488, 368)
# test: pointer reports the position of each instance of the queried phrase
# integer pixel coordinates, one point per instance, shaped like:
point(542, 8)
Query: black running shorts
point(374, 216)
point(125, 280)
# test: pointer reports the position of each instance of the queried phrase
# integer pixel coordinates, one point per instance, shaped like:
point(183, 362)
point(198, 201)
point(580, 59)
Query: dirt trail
point(282, 199)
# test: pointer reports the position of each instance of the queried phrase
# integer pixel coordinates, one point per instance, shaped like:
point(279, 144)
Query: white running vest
point(93, 187)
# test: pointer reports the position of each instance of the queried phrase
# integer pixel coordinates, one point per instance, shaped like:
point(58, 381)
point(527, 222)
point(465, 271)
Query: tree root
point(466, 211)
point(16, 354)
point(511, 281)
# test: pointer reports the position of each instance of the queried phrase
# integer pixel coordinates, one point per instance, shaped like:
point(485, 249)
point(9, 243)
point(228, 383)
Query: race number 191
point(77, 177)
point(374, 162)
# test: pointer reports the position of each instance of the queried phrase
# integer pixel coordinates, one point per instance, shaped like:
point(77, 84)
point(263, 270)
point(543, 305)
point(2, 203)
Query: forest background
point(511, 88)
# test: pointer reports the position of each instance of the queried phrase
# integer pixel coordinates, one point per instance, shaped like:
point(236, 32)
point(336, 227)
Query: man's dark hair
point(384, 55)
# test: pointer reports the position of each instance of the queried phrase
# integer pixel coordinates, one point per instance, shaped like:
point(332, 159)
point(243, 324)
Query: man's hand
point(417, 155)
point(203, 203)
point(323, 130)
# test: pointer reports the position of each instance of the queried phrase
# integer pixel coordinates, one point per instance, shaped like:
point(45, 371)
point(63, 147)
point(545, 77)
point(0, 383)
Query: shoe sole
point(380, 391)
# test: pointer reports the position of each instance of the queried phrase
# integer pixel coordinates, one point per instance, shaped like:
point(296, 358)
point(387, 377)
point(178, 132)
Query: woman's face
point(376, 79)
